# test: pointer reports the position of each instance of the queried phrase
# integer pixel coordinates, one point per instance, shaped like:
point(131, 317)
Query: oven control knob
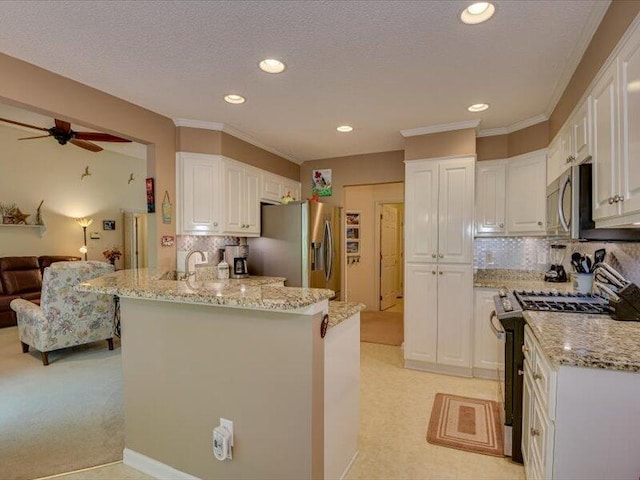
point(525, 349)
point(506, 304)
point(502, 292)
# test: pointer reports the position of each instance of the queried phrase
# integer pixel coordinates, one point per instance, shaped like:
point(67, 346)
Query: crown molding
point(223, 127)
point(514, 127)
point(443, 127)
point(591, 25)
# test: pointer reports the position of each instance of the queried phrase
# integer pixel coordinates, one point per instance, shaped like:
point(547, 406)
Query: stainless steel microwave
point(570, 209)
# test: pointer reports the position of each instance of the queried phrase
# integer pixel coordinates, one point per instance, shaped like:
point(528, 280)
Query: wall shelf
point(42, 227)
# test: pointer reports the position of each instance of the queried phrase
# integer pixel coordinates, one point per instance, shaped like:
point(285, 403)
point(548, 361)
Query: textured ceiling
point(379, 66)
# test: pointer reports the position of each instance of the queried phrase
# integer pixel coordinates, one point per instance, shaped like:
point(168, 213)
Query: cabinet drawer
point(541, 435)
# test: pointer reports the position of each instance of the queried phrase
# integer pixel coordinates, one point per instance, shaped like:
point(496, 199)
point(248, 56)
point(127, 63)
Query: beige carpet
point(59, 418)
point(468, 424)
point(382, 327)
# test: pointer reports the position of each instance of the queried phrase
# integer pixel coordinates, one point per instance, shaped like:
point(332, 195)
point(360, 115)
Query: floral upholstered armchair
point(65, 317)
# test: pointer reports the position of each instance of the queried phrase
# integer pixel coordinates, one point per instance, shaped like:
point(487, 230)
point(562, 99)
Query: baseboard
point(485, 373)
point(437, 368)
point(349, 465)
point(152, 467)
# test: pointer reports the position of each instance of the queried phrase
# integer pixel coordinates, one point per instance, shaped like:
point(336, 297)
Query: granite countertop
point(516, 280)
point(252, 293)
point(340, 311)
point(593, 341)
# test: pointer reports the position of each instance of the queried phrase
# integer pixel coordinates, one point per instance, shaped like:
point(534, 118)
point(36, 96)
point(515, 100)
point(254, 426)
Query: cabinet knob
point(502, 225)
point(611, 200)
point(525, 349)
point(440, 273)
point(433, 272)
point(215, 224)
point(539, 224)
point(537, 376)
point(433, 255)
point(618, 198)
point(440, 255)
point(535, 432)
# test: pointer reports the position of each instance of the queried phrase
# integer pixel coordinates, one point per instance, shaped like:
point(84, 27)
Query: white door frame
point(376, 244)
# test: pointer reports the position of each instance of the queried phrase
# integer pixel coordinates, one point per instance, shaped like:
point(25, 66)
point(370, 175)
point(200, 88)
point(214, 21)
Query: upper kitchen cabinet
point(199, 194)
point(491, 187)
point(555, 162)
point(275, 188)
point(241, 185)
point(616, 139)
point(439, 210)
point(526, 194)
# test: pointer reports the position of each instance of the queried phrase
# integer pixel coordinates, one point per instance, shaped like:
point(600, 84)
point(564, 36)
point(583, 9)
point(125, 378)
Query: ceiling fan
point(63, 134)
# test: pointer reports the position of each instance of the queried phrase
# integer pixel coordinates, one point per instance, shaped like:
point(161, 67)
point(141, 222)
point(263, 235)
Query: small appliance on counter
point(624, 296)
point(236, 257)
point(556, 272)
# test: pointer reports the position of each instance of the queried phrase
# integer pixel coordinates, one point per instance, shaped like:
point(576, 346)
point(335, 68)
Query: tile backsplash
point(532, 253)
point(210, 244)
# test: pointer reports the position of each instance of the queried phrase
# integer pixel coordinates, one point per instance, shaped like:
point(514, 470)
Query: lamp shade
point(84, 222)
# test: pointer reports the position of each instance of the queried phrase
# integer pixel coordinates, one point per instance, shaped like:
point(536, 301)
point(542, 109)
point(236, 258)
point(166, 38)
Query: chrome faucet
point(187, 273)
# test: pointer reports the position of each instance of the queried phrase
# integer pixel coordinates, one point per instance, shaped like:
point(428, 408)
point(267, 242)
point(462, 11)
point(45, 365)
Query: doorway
point(391, 268)
point(135, 240)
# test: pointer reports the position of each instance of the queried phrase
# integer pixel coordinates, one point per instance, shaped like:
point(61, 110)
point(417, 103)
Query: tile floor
point(396, 404)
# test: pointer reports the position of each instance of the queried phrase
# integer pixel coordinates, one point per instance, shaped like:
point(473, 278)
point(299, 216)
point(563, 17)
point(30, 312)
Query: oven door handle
point(563, 220)
point(498, 332)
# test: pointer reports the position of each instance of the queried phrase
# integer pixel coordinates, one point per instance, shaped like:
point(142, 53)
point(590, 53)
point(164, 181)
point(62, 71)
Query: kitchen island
point(248, 350)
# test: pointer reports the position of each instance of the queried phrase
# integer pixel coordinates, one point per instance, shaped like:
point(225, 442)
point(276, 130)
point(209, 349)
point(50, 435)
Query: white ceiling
point(380, 66)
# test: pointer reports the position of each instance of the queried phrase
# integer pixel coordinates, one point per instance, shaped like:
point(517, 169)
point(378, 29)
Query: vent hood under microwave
point(570, 209)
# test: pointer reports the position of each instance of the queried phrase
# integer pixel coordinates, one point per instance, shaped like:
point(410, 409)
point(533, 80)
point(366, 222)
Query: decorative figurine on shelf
point(287, 199)
point(314, 198)
point(112, 255)
point(20, 218)
point(38, 215)
point(6, 210)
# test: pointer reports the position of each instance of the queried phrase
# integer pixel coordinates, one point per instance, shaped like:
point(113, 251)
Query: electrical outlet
point(488, 257)
point(228, 424)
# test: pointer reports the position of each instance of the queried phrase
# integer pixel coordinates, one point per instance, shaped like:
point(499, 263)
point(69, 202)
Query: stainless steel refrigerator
point(299, 241)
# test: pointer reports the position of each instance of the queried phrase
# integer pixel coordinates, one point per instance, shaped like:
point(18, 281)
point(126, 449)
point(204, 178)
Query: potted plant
point(112, 254)
point(7, 209)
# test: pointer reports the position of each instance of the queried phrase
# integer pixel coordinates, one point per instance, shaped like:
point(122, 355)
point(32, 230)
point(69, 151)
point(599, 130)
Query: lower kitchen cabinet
point(488, 350)
point(578, 423)
point(438, 317)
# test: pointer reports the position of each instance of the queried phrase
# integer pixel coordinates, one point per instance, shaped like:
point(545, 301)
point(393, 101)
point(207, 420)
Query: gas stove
point(554, 301)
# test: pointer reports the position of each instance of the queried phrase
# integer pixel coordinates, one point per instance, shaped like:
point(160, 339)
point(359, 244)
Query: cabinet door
point(455, 210)
point(605, 138)
point(629, 163)
point(554, 160)
point(234, 201)
point(251, 199)
point(566, 147)
point(527, 415)
point(581, 127)
point(421, 211)
point(527, 194)
point(488, 351)
point(455, 314)
point(199, 189)
point(490, 197)
point(421, 312)
point(271, 187)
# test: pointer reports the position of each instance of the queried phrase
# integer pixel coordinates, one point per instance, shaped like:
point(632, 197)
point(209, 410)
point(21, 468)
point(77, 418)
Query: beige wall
point(214, 142)
point(262, 370)
point(361, 284)
point(362, 169)
point(615, 22)
point(33, 88)
point(442, 144)
point(43, 170)
point(515, 143)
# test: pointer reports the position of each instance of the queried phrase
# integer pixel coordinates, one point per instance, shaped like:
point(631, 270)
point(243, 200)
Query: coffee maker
point(556, 272)
point(236, 257)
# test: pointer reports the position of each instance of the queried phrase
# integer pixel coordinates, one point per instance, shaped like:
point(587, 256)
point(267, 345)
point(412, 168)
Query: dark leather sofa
point(21, 277)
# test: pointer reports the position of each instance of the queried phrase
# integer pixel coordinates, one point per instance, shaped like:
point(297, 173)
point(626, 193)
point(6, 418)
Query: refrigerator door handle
point(328, 249)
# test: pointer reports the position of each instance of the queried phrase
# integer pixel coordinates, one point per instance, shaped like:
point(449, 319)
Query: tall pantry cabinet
point(439, 196)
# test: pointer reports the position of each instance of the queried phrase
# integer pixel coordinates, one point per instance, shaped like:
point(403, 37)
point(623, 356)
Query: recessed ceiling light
point(478, 107)
point(477, 13)
point(271, 65)
point(344, 128)
point(235, 99)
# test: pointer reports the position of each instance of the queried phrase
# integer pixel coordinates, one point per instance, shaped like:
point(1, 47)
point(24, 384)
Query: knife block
point(627, 308)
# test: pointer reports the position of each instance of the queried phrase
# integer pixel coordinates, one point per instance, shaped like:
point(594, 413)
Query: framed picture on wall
point(108, 224)
point(151, 196)
point(353, 247)
point(353, 218)
point(353, 233)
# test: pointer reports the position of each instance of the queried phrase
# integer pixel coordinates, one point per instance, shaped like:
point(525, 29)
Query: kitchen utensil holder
point(584, 283)
point(627, 308)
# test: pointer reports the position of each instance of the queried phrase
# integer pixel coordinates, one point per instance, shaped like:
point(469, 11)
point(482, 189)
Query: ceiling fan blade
point(64, 126)
point(31, 138)
point(99, 137)
point(23, 124)
point(86, 145)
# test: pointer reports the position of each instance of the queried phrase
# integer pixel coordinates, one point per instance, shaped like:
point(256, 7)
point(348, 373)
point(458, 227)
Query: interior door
point(388, 256)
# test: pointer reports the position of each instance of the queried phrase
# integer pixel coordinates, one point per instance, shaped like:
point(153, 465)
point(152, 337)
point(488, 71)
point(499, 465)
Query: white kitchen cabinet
point(242, 199)
point(199, 194)
point(275, 187)
point(526, 194)
point(581, 130)
point(605, 144)
point(439, 198)
point(491, 185)
point(439, 273)
point(554, 160)
point(488, 350)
